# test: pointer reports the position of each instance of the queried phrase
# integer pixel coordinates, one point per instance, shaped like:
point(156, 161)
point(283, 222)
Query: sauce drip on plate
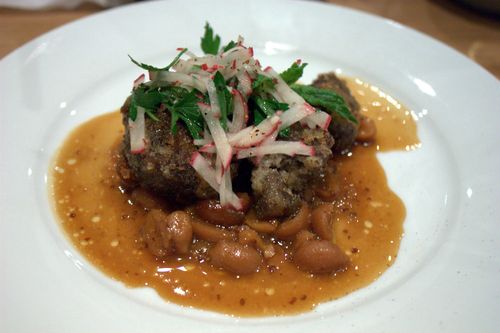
point(103, 224)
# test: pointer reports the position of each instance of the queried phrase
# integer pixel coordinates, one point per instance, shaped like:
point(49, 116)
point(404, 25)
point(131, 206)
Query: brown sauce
point(104, 226)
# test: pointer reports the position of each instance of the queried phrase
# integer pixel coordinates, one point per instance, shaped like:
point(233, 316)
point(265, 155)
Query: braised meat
point(281, 182)
point(163, 167)
point(343, 130)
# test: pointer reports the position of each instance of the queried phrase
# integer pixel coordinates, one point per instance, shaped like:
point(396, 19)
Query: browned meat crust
point(343, 130)
point(281, 182)
point(164, 167)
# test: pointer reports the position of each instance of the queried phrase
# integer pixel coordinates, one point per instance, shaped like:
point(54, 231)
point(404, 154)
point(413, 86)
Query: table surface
point(475, 35)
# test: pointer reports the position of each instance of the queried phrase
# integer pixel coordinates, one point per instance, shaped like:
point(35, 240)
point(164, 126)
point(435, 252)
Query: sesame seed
point(206, 284)
point(368, 224)
point(71, 161)
point(366, 231)
point(376, 204)
point(96, 219)
point(59, 169)
point(114, 243)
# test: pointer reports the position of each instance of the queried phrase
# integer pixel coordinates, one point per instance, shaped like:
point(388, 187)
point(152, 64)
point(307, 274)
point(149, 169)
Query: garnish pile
point(231, 107)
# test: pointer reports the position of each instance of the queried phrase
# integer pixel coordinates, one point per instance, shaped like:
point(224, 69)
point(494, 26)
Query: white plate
point(446, 276)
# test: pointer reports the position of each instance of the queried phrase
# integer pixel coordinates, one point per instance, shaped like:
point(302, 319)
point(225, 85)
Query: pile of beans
point(238, 242)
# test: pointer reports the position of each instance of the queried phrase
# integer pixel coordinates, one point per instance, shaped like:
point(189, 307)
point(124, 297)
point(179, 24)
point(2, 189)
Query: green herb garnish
point(229, 46)
point(145, 97)
point(156, 69)
point(262, 84)
point(325, 99)
point(293, 73)
point(209, 43)
point(224, 97)
point(265, 108)
point(188, 111)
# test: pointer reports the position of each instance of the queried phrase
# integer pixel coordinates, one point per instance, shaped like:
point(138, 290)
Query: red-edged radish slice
point(319, 119)
point(140, 79)
point(202, 142)
point(181, 79)
point(244, 83)
point(224, 150)
point(209, 148)
point(294, 114)
point(204, 169)
point(290, 148)
point(283, 92)
point(240, 112)
point(238, 53)
point(270, 139)
point(138, 132)
point(226, 195)
point(257, 133)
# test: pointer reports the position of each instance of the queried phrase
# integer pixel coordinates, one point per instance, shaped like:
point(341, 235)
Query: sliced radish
point(270, 139)
point(256, 134)
point(226, 195)
point(219, 169)
point(222, 146)
point(202, 142)
point(187, 52)
point(139, 80)
point(181, 79)
point(240, 112)
point(244, 83)
point(290, 148)
point(283, 91)
point(295, 114)
point(204, 169)
point(138, 132)
point(319, 119)
point(209, 148)
point(238, 53)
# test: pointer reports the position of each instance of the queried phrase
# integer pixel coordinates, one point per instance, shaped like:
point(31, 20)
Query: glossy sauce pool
point(104, 226)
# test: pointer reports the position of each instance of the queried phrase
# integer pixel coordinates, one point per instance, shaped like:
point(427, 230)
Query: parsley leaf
point(229, 46)
point(132, 109)
point(145, 97)
point(209, 43)
point(325, 99)
point(181, 103)
point(188, 111)
point(262, 84)
point(157, 69)
point(266, 108)
point(293, 73)
point(269, 106)
point(224, 97)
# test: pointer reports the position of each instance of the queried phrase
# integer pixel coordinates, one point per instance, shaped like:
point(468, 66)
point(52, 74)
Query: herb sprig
point(209, 43)
point(325, 99)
